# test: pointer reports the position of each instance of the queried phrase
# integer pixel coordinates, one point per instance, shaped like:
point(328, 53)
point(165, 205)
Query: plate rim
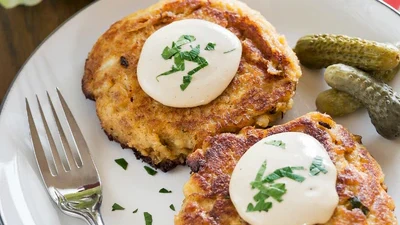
point(2, 104)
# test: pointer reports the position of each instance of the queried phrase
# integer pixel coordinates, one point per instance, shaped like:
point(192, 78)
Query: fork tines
point(72, 163)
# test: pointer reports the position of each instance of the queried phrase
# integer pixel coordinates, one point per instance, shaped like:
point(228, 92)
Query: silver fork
point(76, 190)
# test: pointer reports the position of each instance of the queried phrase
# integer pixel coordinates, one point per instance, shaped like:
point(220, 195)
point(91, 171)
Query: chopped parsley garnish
point(194, 52)
point(117, 207)
point(168, 52)
point(150, 170)
point(261, 171)
point(356, 203)
point(230, 51)
point(164, 191)
point(173, 70)
point(202, 62)
point(277, 143)
point(317, 166)
point(188, 78)
point(185, 39)
point(210, 46)
point(267, 188)
point(122, 162)
point(172, 207)
point(276, 191)
point(259, 207)
point(186, 81)
point(180, 57)
point(191, 55)
point(179, 62)
point(148, 219)
point(135, 211)
point(284, 172)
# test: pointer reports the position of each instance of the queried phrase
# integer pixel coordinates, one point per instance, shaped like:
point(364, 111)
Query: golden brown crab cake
point(359, 175)
point(260, 92)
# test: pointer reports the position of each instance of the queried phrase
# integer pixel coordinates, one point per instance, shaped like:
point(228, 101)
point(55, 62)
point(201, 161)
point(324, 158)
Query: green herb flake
point(164, 191)
point(285, 172)
point(179, 66)
point(356, 203)
point(150, 170)
point(117, 207)
point(122, 162)
point(210, 46)
point(230, 51)
point(179, 62)
point(168, 52)
point(277, 143)
point(268, 189)
point(180, 58)
point(276, 191)
point(135, 211)
point(148, 218)
point(169, 72)
point(172, 207)
point(260, 196)
point(191, 55)
point(261, 171)
point(186, 81)
point(195, 52)
point(317, 166)
point(197, 69)
point(259, 207)
point(185, 39)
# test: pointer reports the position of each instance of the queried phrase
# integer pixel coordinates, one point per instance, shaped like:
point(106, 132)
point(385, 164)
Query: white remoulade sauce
point(208, 82)
point(306, 201)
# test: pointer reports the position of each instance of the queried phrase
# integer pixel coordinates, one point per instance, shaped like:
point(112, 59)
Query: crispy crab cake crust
point(359, 175)
point(260, 92)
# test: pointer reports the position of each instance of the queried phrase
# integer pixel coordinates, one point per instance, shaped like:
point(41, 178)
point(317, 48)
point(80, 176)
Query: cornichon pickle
point(382, 103)
point(386, 75)
point(336, 103)
point(319, 51)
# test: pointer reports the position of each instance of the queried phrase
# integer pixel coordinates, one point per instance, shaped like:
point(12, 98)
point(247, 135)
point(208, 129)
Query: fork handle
point(95, 218)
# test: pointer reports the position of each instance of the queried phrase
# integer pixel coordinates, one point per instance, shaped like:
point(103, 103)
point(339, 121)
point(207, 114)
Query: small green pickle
point(319, 51)
point(386, 75)
point(336, 103)
point(382, 103)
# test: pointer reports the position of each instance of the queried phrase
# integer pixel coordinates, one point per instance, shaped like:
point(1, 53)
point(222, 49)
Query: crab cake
point(260, 92)
point(207, 197)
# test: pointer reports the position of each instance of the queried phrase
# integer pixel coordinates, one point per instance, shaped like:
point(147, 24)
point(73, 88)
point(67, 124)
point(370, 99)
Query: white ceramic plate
point(59, 63)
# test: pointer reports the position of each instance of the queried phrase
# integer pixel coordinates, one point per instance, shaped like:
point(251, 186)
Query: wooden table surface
point(22, 29)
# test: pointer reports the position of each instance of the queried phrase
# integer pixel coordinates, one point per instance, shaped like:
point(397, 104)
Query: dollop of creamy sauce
point(208, 82)
point(307, 202)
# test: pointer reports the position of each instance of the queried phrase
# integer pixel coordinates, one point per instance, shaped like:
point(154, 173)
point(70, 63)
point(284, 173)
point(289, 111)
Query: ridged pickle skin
point(382, 103)
point(386, 75)
point(322, 50)
point(336, 103)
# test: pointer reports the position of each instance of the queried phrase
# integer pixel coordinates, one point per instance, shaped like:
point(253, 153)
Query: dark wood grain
point(22, 29)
